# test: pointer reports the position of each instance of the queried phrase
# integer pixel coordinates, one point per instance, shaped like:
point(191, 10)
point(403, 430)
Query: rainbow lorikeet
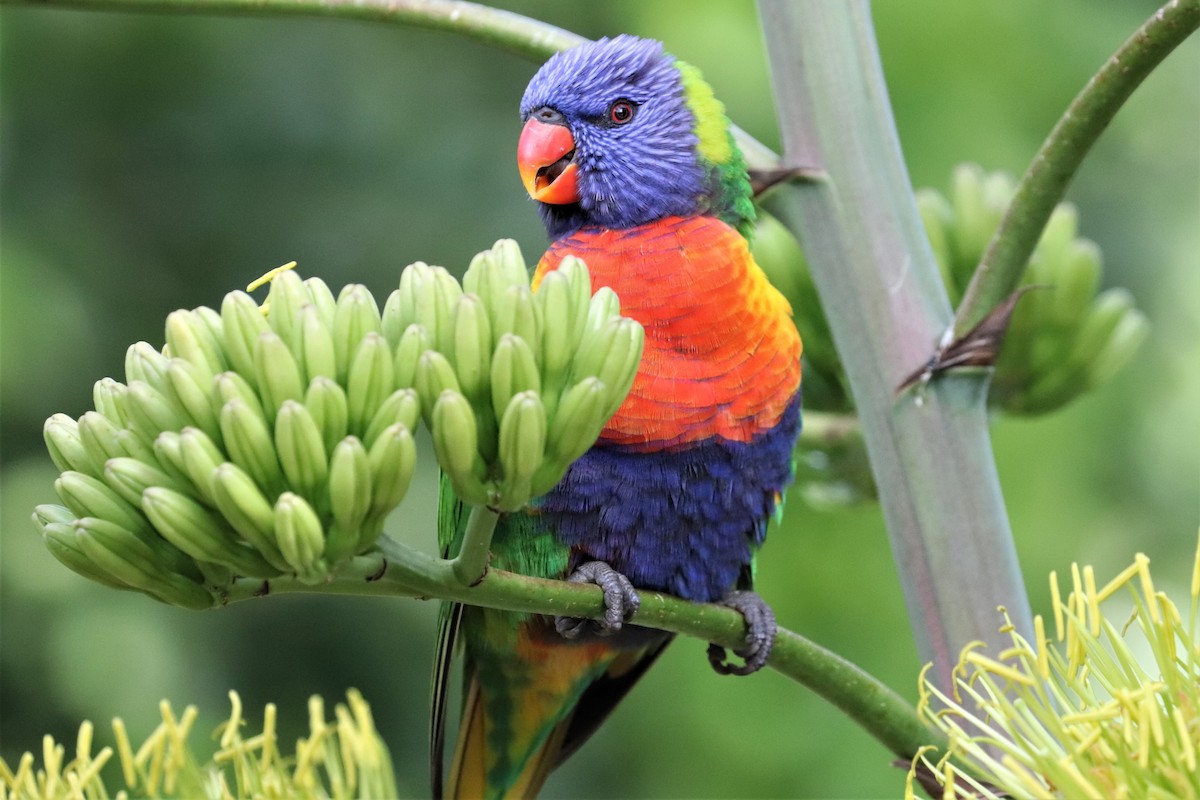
point(630, 159)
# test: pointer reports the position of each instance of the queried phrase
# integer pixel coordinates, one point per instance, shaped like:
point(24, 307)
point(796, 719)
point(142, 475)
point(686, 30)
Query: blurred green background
point(156, 162)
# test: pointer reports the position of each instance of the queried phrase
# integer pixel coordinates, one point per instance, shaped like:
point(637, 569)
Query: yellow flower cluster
point(341, 759)
point(1083, 717)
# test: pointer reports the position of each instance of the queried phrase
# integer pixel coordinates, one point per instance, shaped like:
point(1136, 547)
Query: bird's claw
point(621, 601)
point(760, 637)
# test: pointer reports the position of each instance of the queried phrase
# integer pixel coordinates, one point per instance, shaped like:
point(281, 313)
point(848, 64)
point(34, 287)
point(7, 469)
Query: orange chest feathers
point(722, 355)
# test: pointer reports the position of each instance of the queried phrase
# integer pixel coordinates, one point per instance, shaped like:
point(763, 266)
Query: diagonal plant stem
point(887, 306)
point(513, 32)
point(1045, 181)
point(401, 571)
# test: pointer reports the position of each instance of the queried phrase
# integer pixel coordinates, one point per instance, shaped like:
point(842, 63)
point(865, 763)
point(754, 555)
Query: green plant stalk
point(1045, 182)
point(471, 563)
point(875, 272)
point(509, 31)
point(401, 571)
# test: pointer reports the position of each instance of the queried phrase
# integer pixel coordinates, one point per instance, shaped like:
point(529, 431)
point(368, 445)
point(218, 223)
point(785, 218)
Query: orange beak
point(545, 156)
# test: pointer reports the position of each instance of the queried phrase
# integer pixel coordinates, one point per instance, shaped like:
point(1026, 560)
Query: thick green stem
point(887, 307)
point(472, 560)
point(401, 571)
point(518, 34)
point(1045, 181)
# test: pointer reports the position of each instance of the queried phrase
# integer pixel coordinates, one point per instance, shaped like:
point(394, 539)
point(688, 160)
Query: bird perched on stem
point(629, 157)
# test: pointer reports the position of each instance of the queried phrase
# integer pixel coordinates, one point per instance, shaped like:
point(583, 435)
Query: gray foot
point(621, 601)
point(760, 620)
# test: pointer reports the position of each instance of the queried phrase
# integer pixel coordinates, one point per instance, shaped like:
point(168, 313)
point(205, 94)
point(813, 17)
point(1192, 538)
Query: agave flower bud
point(109, 398)
point(519, 314)
point(89, 497)
point(493, 271)
point(244, 323)
point(412, 343)
point(189, 337)
point(314, 344)
point(59, 537)
point(129, 477)
point(514, 370)
point(298, 532)
point(521, 450)
point(356, 315)
point(322, 299)
point(277, 373)
point(150, 412)
point(575, 427)
point(472, 346)
point(393, 460)
point(127, 559)
point(301, 450)
point(61, 434)
point(248, 442)
point(402, 406)
point(200, 457)
point(612, 354)
point(603, 306)
point(100, 437)
point(201, 534)
point(326, 401)
point(455, 442)
point(434, 376)
point(248, 511)
point(349, 496)
point(370, 381)
point(144, 363)
point(189, 388)
point(559, 329)
point(233, 386)
point(285, 299)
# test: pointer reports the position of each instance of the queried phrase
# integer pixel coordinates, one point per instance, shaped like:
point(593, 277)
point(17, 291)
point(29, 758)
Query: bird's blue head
point(619, 133)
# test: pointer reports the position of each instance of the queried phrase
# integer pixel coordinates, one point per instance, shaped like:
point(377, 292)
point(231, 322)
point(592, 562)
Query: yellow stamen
point(996, 668)
point(52, 756)
point(1089, 582)
point(1196, 571)
point(235, 720)
point(1107, 711)
point(1185, 738)
point(268, 735)
point(1056, 604)
point(1043, 655)
point(1116, 583)
point(83, 742)
point(125, 751)
point(94, 766)
point(948, 792)
point(1143, 565)
point(270, 276)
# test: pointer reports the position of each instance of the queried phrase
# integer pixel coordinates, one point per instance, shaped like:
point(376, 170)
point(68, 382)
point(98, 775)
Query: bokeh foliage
point(153, 163)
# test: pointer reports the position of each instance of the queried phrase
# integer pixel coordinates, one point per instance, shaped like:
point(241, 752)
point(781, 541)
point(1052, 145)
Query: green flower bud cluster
point(1063, 340)
point(267, 441)
point(514, 384)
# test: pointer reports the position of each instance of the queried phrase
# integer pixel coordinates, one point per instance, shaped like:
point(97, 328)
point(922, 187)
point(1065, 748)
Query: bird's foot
point(621, 601)
point(760, 620)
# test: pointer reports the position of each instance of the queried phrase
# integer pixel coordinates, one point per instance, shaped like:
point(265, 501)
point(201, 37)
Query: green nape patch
point(733, 203)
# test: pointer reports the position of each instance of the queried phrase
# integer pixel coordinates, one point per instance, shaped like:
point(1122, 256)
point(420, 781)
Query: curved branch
point(401, 571)
point(507, 30)
point(1044, 183)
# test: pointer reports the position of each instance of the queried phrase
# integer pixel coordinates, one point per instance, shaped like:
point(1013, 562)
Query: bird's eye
point(621, 112)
